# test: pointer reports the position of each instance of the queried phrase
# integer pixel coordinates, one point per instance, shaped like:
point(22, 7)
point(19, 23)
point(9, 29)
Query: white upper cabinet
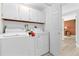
point(33, 15)
point(36, 15)
point(23, 12)
point(9, 10)
point(39, 16)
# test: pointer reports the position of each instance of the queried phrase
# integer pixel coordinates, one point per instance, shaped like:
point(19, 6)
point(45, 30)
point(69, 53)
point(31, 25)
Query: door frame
point(75, 29)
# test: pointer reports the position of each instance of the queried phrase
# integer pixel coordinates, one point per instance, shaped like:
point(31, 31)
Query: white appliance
point(21, 45)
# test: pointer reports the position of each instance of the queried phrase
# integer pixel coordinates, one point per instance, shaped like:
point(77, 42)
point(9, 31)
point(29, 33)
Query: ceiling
point(66, 7)
point(39, 6)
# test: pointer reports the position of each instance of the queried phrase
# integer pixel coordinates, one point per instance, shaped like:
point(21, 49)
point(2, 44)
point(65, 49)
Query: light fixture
point(65, 27)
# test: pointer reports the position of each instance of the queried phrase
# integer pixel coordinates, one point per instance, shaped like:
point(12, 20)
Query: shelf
point(22, 21)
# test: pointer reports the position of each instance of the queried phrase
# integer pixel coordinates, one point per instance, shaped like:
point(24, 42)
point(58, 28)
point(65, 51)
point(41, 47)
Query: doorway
point(69, 40)
point(69, 30)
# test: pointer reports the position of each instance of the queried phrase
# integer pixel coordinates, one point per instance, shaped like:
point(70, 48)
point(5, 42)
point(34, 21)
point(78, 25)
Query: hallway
point(69, 47)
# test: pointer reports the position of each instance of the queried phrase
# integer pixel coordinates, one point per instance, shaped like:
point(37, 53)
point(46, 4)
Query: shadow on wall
point(69, 27)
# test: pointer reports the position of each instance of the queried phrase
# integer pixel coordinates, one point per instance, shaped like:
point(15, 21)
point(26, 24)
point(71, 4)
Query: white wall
point(77, 29)
point(69, 11)
point(69, 16)
point(54, 26)
point(20, 25)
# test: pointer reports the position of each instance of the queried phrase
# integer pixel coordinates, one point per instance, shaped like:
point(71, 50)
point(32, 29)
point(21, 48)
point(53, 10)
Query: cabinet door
point(17, 46)
point(42, 44)
point(42, 17)
point(23, 12)
point(32, 15)
point(9, 10)
point(36, 15)
point(39, 16)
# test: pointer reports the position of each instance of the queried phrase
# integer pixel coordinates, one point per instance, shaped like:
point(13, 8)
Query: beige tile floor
point(68, 47)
